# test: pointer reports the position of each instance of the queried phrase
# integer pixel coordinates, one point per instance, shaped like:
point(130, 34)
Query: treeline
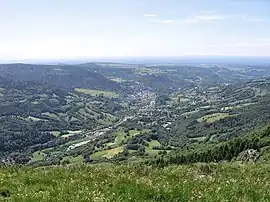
point(225, 151)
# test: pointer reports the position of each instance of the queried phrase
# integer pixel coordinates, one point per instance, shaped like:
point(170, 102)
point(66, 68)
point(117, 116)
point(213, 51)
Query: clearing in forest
point(211, 118)
point(92, 92)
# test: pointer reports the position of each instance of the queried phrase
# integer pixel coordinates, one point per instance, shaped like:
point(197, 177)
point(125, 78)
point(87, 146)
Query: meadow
point(134, 182)
point(91, 92)
point(211, 118)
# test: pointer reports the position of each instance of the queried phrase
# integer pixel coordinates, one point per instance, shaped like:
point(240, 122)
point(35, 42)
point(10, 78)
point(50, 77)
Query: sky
point(74, 29)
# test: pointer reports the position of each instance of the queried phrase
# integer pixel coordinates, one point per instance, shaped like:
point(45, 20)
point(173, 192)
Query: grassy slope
point(119, 137)
point(150, 150)
point(107, 153)
point(211, 118)
point(37, 156)
point(74, 160)
point(198, 182)
point(96, 92)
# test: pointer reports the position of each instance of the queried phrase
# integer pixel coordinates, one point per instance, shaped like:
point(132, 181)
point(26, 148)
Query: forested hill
point(59, 76)
point(33, 115)
point(250, 147)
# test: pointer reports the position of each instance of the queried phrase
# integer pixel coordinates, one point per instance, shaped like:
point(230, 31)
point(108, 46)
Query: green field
point(74, 160)
point(112, 152)
point(153, 143)
point(51, 115)
point(196, 182)
point(150, 149)
point(117, 79)
point(119, 136)
point(71, 133)
point(37, 156)
point(96, 92)
point(107, 153)
point(133, 133)
point(237, 106)
point(32, 118)
point(55, 133)
point(200, 139)
point(211, 118)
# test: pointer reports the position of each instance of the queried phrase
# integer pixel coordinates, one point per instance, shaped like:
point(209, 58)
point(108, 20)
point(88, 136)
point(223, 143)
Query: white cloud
point(207, 17)
point(150, 15)
point(161, 21)
point(200, 19)
point(188, 20)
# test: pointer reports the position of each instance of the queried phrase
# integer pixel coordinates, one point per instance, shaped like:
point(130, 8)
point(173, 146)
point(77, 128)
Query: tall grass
point(196, 182)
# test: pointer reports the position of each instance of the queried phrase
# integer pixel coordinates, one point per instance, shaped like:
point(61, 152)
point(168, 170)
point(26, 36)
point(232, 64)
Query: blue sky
point(71, 29)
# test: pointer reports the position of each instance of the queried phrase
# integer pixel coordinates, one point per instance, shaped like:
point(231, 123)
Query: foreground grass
point(199, 182)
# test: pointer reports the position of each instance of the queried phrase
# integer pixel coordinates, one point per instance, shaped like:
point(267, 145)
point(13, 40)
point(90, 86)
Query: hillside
point(253, 147)
point(197, 182)
point(58, 76)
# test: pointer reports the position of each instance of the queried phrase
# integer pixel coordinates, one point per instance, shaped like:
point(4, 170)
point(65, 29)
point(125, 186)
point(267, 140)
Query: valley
point(119, 112)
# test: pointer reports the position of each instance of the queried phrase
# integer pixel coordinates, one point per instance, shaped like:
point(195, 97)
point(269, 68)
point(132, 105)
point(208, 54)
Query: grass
point(153, 143)
point(96, 92)
point(198, 182)
point(55, 133)
point(107, 153)
point(37, 156)
point(200, 139)
point(71, 133)
point(112, 152)
point(107, 121)
point(74, 160)
point(98, 155)
point(119, 136)
point(117, 79)
point(109, 144)
point(32, 118)
point(211, 118)
point(150, 149)
point(133, 133)
point(51, 115)
point(237, 106)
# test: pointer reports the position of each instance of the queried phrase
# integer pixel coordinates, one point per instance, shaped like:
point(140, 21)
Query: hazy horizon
point(152, 60)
